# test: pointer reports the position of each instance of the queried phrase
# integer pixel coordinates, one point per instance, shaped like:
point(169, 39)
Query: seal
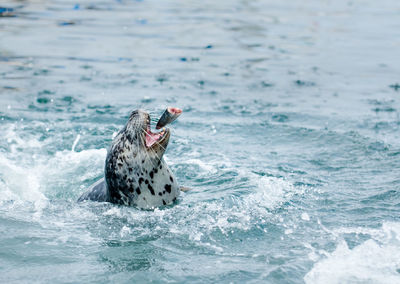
point(135, 172)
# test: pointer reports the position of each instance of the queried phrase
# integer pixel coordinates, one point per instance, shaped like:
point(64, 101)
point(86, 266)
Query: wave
point(376, 260)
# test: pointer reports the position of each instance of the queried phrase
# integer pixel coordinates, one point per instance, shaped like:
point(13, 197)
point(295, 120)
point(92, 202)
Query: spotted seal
point(135, 171)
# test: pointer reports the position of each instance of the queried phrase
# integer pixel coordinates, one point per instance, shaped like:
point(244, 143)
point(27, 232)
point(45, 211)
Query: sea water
point(289, 140)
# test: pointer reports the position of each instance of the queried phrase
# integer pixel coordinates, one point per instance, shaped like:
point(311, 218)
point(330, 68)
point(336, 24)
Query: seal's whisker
point(155, 165)
point(151, 157)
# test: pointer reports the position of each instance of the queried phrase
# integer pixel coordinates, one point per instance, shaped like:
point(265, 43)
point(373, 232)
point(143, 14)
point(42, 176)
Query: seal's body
point(135, 171)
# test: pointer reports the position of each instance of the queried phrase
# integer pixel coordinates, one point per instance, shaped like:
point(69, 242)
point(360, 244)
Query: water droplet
point(305, 217)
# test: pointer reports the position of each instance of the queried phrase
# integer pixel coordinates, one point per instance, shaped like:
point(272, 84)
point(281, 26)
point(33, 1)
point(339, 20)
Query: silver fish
point(169, 115)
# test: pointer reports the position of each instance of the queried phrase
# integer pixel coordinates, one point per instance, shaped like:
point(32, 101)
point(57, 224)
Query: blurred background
point(289, 138)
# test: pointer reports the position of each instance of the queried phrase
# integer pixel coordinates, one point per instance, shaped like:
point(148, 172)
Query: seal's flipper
point(97, 192)
point(184, 188)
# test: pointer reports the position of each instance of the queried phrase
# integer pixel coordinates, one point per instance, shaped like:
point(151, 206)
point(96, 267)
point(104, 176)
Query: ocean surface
point(289, 139)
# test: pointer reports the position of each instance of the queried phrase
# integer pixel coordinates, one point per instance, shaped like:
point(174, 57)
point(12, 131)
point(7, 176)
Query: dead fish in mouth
point(169, 115)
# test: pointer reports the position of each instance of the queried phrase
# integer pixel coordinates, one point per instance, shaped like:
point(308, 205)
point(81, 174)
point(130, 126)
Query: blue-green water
point(289, 140)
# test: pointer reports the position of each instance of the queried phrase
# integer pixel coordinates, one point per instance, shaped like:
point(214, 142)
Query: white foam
point(305, 216)
point(269, 192)
point(66, 161)
point(21, 183)
point(16, 142)
point(207, 167)
point(29, 180)
point(125, 231)
point(243, 214)
point(66, 164)
point(374, 261)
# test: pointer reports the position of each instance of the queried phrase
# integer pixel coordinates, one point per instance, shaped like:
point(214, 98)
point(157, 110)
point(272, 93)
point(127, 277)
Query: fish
point(169, 115)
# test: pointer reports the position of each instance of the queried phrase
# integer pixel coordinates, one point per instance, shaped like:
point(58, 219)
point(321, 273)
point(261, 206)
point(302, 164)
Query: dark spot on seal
point(155, 170)
point(151, 189)
point(173, 200)
point(160, 193)
point(144, 198)
point(171, 179)
point(130, 170)
point(146, 181)
point(151, 174)
point(119, 165)
point(116, 196)
point(160, 167)
point(142, 161)
point(138, 191)
point(163, 202)
point(168, 188)
point(163, 192)
point(140, 180)
point(131, 189)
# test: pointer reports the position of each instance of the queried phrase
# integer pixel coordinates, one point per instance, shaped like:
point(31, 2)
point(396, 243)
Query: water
point(289, 140)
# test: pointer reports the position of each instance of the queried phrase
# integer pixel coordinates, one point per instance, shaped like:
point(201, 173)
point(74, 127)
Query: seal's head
point(138, 132)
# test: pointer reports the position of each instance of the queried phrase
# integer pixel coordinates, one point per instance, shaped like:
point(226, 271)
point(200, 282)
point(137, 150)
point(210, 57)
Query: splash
point(20, 184)
point(376, 260)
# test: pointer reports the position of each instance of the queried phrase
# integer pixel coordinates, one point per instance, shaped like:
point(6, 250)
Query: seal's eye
point(134, 113)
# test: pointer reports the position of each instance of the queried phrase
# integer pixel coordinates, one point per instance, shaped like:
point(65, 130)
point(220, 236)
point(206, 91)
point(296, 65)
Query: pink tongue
point(151, 138)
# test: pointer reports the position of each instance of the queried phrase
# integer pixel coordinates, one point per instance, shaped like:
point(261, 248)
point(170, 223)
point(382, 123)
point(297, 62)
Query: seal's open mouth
point(152, 138)
point(162, 137)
